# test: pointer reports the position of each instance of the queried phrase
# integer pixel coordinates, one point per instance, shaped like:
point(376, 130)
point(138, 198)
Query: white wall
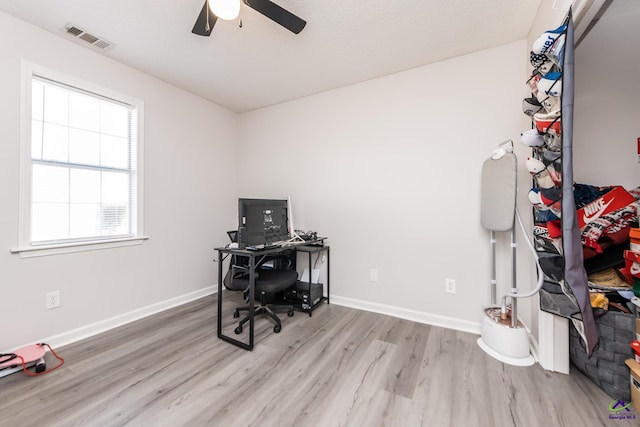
point(389, 170)
point(607, 102)
point(189, 192)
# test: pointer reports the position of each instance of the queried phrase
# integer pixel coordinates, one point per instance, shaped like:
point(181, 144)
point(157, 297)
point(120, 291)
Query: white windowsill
point(45, 250)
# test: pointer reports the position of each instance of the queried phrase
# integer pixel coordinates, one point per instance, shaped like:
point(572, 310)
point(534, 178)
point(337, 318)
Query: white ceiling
point(261, 64)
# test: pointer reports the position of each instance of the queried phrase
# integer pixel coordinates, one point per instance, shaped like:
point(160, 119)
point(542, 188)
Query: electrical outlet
point(450, 286)
point(52, 299)
point(373, 275)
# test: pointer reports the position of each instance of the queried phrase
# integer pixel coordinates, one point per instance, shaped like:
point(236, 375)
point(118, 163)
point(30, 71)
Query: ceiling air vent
point(91, 39)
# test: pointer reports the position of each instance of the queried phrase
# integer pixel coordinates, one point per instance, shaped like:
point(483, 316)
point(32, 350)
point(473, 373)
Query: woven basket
point(606, 365)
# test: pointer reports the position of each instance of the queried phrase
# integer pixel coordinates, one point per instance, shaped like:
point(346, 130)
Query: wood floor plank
point(435, 397)
point(350, 393)
point(227, 385)
point(340, 366)
point(403, 373)
point(385, 409)
point(318, 366)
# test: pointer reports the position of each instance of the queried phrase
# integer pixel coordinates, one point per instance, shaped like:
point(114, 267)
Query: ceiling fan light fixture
point(225, 9)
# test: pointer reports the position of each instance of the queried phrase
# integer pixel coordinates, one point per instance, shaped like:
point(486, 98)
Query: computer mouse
point(233, 245)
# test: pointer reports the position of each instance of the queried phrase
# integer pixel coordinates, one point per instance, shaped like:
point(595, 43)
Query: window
point(81, 150)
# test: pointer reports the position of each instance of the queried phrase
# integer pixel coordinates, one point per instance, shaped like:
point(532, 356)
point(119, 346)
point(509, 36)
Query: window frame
point(25, 248)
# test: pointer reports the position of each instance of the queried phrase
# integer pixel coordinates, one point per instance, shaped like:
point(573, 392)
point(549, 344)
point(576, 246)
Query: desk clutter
point(305, 238)
point(302, 238)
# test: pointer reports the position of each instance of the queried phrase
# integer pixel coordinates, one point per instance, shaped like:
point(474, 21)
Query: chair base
point(263, 308)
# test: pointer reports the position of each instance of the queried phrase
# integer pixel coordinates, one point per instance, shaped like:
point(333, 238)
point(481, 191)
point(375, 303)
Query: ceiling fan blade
point(277, 14)
point(200, 27)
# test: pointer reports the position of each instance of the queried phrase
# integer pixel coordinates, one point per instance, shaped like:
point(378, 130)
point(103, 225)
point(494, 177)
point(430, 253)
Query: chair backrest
point(237, 269)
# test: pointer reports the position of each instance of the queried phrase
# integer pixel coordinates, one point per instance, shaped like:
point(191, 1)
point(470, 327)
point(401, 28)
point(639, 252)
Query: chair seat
point(269, 281)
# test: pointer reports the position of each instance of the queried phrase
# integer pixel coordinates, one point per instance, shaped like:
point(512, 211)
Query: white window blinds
point(83, 168)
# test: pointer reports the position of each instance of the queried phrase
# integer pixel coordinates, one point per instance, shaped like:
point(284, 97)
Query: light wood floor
point(340, 367)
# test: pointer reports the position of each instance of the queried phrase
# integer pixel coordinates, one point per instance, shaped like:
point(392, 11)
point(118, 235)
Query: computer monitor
point(262, 221)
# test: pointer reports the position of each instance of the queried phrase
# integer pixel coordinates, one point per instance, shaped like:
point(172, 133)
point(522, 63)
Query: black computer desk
point(254, 256)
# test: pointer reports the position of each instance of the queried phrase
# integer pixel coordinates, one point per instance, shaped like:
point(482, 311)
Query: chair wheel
point(236, 314)
point(290, 313)
point(238, 330)
point(277, 329)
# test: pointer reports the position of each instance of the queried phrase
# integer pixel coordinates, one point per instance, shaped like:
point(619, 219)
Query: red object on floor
point(29, 353)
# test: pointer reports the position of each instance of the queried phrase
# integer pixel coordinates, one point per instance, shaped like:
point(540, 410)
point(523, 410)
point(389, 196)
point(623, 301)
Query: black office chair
point(268, 282)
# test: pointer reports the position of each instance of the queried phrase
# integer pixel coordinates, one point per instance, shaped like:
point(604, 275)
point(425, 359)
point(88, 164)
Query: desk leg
point(220, 268)
point(252, 282)
point(328, 275)
point(310, 280)
point(252, 292)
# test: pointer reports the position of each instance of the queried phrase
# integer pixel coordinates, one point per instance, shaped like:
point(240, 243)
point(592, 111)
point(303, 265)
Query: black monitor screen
point(262, 221)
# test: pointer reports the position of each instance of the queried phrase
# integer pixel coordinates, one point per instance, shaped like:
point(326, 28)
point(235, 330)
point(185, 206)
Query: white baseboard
point(413, 315)
point(87, 331)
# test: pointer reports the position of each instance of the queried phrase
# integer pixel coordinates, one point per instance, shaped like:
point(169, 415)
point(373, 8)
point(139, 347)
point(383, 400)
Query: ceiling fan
point(207, 18)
